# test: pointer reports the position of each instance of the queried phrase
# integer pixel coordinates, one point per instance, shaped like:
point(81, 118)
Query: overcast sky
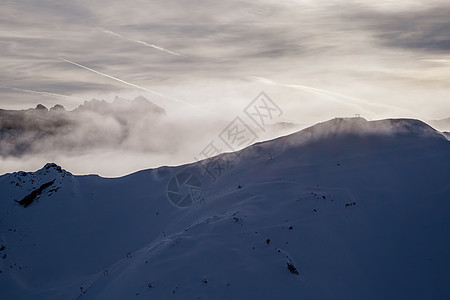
point(317, 59)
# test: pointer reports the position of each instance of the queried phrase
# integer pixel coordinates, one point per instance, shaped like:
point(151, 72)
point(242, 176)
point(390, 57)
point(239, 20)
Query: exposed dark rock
point(292, 269)
point(28, 199)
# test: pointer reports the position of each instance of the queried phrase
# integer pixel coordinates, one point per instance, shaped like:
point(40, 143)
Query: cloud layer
point(356, 47)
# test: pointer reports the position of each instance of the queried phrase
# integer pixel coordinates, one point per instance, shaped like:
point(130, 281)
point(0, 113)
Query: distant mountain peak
point(57, 107)
point(91, 104)
point(118, 99)
point(41, 107)
point(140, 98)
point(441, 125)
point(144, 101)
point(139, 103)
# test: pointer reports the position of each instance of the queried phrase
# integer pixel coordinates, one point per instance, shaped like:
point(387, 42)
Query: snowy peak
point(360, 126)
point(341, 137)
point(27, 187)
point(52, 169)
point(48, 172)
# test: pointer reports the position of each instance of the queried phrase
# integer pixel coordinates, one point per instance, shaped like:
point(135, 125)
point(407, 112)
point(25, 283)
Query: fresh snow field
point(345, 209)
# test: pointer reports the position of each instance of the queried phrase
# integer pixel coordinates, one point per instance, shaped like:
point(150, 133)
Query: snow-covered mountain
point(345, 209)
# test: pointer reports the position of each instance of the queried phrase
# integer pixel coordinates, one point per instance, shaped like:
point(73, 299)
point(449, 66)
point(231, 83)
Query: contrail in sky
point(140, 42)
point(46, 94)
point(436, 60)
point(335, 96)
point(130, 84)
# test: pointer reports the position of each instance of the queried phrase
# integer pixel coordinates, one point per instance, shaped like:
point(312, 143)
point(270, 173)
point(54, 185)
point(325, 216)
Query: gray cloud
point(427, 29)
point(232, 39)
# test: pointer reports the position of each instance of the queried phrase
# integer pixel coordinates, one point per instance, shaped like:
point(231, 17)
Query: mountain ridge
point(371, 206)
point(344, 126)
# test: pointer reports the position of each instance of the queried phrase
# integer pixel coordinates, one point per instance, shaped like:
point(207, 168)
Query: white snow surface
point(360, 209)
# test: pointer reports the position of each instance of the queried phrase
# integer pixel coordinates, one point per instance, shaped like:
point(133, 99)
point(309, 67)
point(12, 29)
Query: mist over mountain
point(93, 125)
point(441, 125)
point(337, 210)
point(114, 138)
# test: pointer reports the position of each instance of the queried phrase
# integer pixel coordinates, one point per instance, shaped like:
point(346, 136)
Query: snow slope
point(358, 209)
